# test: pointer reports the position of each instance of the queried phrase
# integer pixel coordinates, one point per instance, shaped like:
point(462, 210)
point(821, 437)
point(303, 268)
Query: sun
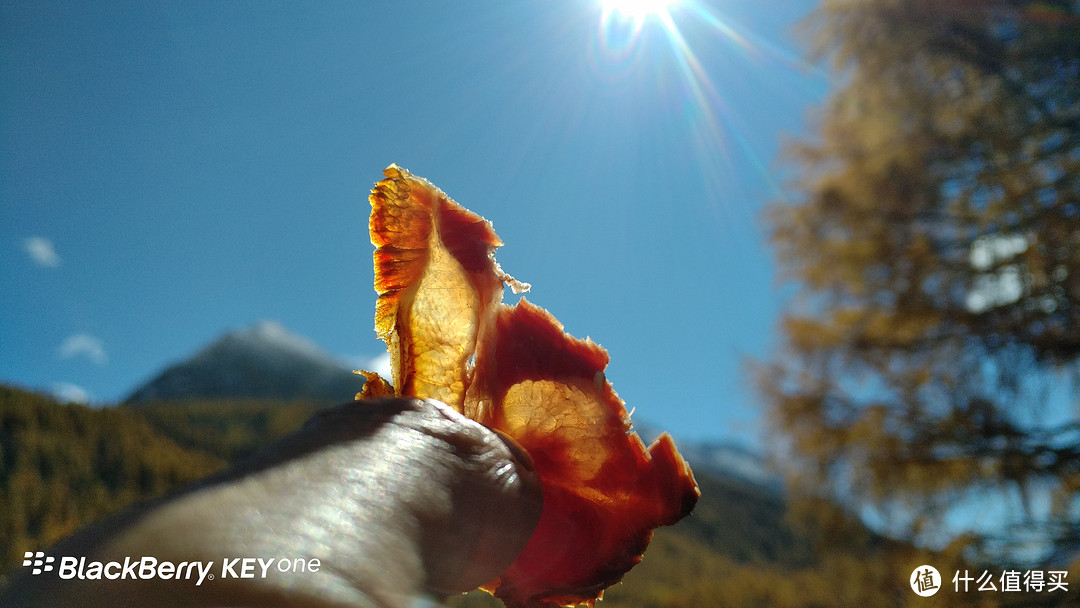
point(637, 10)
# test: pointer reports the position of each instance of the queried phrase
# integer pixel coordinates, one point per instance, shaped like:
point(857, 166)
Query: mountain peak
point(265, 361)
point(268, 339)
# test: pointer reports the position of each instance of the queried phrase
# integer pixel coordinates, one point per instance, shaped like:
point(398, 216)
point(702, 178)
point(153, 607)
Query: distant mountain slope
point(263, 362)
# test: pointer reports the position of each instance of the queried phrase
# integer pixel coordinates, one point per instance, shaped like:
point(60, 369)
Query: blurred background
point(833, 247)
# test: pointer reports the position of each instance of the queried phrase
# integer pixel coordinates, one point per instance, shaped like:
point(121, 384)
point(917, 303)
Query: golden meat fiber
point(514, 369)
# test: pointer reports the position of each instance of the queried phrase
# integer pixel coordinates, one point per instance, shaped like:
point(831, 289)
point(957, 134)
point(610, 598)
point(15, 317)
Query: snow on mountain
point(724, 458)
point(266, 361)
point(732, 460)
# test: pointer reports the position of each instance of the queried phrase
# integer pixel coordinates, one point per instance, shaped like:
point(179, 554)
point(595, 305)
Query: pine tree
point(932, 354)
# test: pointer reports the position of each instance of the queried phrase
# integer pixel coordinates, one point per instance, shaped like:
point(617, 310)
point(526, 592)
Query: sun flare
point(637, 10)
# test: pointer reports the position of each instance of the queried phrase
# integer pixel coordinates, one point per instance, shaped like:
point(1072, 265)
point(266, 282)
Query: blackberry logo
point(38, 560)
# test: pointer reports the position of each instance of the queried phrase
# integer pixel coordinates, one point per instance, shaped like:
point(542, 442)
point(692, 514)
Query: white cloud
point(66, 392)
point(41, 250)
point(77, 345)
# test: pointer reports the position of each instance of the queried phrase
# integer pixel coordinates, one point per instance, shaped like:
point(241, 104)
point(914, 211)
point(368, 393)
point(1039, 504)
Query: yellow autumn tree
point(932, 355)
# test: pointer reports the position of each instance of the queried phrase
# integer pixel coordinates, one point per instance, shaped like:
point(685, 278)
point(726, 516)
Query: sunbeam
point(637, 10)
point(713, 81)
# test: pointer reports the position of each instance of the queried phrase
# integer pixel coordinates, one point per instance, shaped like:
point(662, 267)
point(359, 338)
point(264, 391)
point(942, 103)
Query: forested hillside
point(62, 466)
point(65, 465)
point(229, 429)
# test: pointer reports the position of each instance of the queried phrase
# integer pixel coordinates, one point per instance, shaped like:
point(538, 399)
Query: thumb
point(488, 509)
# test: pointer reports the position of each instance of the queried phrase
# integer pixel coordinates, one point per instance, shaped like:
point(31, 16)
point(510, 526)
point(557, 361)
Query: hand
point(395, 498)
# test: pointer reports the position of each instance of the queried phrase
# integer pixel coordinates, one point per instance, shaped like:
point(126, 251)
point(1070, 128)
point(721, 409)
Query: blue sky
point(170, 171)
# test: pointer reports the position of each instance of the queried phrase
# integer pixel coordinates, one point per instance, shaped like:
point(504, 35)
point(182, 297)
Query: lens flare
point(637, 10)
point(622, 23)
point(711, 59)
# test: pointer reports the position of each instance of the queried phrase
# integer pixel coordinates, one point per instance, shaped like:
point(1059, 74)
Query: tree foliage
point(933, 352)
